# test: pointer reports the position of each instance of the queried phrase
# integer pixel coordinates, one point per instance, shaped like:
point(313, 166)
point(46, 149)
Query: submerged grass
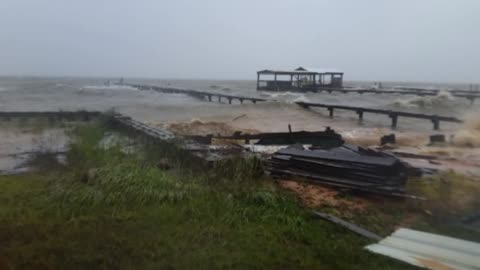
point(112, 209)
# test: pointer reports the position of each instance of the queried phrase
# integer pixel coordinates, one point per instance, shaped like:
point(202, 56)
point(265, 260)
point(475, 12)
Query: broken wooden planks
point(346, 166)
point(327, 138)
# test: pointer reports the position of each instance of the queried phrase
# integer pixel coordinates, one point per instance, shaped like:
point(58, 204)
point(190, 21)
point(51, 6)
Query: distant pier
point(199, 94)
point(331, 81)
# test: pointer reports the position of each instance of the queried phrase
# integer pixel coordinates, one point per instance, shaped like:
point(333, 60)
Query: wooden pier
point(139, 127)
point(418, 89)
point(199, 94)
point(393, 115)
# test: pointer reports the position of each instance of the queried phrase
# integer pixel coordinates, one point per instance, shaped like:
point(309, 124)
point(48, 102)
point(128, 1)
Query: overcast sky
point(414, 40)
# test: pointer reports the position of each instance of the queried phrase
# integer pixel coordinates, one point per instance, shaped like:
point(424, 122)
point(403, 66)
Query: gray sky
point(415, 40)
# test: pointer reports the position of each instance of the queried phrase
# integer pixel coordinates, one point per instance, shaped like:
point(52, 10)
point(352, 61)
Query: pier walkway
point(393, 115)
point(199, 94)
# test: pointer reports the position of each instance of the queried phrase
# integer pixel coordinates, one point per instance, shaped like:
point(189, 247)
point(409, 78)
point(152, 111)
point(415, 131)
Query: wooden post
point(229, 100)
point(436, 123)
point(241, 100)
point(219, 99)
point(330, 111)
point(275, 81)
point(394, 118)
point(210, 98)
point(360, 115)
point(258, 81)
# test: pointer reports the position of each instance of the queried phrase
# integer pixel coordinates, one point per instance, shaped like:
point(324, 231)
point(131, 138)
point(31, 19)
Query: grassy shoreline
point(112, 209)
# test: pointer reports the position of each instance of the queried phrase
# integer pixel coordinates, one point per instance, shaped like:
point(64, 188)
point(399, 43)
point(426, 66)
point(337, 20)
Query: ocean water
point(46, 94)
point(188, 115)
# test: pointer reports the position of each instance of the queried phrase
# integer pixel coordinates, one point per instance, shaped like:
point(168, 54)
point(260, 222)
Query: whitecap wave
point(288, 97)
point(443, 98)
point(469, 134)
point(301, 98)
point(108, 87)
point(283, 94)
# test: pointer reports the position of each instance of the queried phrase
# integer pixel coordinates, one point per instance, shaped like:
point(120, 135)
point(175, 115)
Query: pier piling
point(330, 112)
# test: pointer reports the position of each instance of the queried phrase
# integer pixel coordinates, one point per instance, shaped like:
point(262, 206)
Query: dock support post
point(275, 81)
point(229, 100)
point(258, 81)
point(330, 111)
point(210, 98)
point(360, 115)
point(394, 118)
point(219, 99)
point(241, 100)
point(436, 123)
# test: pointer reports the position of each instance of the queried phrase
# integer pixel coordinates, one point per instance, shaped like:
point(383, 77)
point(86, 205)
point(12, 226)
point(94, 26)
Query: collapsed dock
point(328, 160)
point(346, 166)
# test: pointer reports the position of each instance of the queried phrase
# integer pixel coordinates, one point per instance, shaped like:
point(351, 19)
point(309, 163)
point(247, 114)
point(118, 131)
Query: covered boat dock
point(299, 79)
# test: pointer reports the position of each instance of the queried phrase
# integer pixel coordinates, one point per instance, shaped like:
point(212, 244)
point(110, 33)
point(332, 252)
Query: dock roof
point(300, 71)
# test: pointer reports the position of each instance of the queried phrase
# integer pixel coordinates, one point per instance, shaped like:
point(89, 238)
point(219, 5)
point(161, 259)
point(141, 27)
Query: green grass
point(114, 210)
point(49, 224)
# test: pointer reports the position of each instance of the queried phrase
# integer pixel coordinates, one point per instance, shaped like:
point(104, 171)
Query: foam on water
point(301, 98)
point(108, 87)
point(288, 97)
point(469, 134)
point(442, 99)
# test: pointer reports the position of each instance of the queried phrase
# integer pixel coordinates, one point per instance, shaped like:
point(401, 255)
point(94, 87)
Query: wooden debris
point(346, 166)
point(352, 227)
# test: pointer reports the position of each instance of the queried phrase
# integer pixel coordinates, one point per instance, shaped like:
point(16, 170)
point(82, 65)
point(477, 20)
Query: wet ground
point(21, 140)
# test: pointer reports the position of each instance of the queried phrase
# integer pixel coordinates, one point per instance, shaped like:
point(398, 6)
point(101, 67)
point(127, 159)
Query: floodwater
point(47, 94)
point(20, 141)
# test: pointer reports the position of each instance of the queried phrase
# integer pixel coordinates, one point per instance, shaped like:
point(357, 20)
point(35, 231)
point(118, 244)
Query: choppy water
point(47, 94)
point(42, 94)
